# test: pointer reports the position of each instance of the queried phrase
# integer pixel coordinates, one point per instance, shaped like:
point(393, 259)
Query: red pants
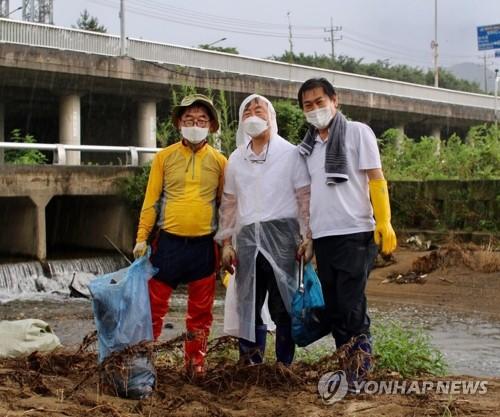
point(201, 294)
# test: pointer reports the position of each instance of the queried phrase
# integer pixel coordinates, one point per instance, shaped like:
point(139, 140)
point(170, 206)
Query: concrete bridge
point(45, 208)
point(70, 86)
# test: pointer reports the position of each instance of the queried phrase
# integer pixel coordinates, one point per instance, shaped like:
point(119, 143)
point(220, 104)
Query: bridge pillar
point(40, 229)
point(146, 128)
point(400, 127)
point(70, 125)
point(2, 131)
point(436, 132)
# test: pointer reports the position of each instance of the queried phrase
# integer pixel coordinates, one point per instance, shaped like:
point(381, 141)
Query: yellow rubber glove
point(384, 237)
point(225, 279)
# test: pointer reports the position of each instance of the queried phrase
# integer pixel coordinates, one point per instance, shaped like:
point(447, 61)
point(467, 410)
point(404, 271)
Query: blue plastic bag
point(306, 327)
point(122, 314)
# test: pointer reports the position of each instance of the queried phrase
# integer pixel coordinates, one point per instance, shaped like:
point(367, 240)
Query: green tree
point(227, 50)
point(381, 69)
point(88, 22)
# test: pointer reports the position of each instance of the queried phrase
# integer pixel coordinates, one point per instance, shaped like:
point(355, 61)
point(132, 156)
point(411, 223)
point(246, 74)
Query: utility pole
point(332, 37)
point(38, 11)
point(29, 10)
point(4, 8)
point(123, 41)
point(485, 58)
point(290, 38)
point(434, 45)
point(497, 81)
point(485, 74)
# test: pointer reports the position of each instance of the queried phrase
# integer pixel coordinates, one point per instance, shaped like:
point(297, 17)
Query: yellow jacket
point(183, 190)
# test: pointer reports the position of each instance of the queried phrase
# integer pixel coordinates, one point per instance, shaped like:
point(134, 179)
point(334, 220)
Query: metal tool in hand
point(118, 249)
point(301, 274)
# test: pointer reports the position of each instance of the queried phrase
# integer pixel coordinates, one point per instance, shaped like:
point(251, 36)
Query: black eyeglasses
point(257, 161)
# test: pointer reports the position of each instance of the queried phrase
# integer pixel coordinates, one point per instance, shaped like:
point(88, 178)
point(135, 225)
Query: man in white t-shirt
point(347, 190)
point(264, 211)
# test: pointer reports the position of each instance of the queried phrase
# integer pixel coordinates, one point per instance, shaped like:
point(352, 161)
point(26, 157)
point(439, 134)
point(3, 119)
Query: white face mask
point(320, 118)
point(253, 126)
point(194, 134)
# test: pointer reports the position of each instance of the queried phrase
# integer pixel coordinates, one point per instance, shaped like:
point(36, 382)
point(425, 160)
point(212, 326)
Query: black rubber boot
point(252, 353)
point(285, 346)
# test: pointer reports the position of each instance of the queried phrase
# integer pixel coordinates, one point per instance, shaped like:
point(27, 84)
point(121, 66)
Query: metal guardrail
point(60, 150)
point(49, 36)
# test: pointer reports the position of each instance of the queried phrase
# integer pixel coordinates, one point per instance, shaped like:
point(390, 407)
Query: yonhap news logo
point(333, 387)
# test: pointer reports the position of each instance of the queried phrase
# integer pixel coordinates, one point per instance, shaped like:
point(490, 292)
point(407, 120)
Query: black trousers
point(182, 260)
point(266, 282)
point(344, 263)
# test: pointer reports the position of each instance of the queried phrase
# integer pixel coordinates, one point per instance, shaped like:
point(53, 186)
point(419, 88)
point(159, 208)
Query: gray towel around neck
point(335, 155)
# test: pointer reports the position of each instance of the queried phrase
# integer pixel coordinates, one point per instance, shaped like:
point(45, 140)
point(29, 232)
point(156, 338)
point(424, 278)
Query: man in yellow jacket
point(349, 216)
point(182, 196)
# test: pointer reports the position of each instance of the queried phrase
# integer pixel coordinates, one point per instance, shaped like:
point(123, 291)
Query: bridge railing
point(49, 36)
point(60, 150)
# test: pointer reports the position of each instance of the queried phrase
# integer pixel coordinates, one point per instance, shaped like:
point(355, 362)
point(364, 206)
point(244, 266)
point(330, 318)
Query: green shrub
point(291, 122)
point(133, 188)
point(477, 157)
point(24, 157)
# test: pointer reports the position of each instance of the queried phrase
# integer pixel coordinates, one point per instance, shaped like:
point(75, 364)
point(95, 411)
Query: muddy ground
point(67, 383)
point(453, 287)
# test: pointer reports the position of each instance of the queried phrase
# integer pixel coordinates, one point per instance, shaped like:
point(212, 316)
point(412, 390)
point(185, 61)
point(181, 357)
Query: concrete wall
point(18, 225)
point(49, 208)
point(447, 205)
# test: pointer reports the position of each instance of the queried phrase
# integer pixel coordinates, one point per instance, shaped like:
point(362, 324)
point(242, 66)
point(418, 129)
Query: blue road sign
point(488, 37)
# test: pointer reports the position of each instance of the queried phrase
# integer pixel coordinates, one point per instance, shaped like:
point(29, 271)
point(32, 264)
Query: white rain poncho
point(260, 212)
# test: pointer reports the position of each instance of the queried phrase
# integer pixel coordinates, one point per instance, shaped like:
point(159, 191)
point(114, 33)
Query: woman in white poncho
point(263, 214)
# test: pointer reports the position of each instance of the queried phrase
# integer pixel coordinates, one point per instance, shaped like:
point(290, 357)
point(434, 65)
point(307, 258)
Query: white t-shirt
point(266, 190)
point(344, 208)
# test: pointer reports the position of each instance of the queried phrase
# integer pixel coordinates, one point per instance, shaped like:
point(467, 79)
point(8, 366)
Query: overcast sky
point(400, 31)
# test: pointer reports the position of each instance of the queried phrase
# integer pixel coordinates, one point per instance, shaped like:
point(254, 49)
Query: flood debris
point(69, 383)
point(475, 258)
point(408, 278)
point(78, 287)
point(382, 260)
point(418, 242)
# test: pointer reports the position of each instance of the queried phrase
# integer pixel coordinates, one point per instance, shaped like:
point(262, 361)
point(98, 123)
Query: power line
point(176, 15)
point(222, 19)
point(203, 24)
point(399, 47)
point(153, 7)
point(374, 47)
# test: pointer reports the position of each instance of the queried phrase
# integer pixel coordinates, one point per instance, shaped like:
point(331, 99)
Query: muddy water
point(470, 342)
